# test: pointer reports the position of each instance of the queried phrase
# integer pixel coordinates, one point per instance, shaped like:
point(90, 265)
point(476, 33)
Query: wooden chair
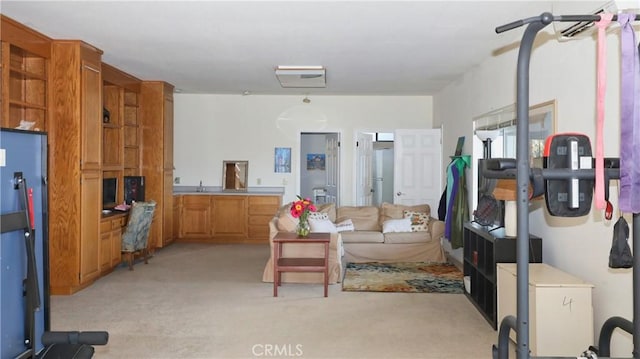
point(136, 235)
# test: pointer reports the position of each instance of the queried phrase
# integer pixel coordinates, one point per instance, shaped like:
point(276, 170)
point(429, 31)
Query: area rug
point(419, 277)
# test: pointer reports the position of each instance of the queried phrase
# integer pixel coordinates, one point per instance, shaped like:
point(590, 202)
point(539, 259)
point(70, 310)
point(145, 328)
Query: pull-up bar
point(534, 25)
point(546, 18)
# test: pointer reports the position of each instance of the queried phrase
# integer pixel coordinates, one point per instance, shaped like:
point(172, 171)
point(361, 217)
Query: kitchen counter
point(217, 190)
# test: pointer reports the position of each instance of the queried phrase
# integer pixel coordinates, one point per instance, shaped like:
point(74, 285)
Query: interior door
point(364, 181)
point(332, 148)
point(417, 167)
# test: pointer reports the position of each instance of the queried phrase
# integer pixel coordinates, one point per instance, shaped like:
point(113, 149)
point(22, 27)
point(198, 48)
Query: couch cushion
point(396, 211)
point(285, 221)
point(396, 225)
point(329, 209)
point(364, 218)
point(407, 237)
point(362, 237)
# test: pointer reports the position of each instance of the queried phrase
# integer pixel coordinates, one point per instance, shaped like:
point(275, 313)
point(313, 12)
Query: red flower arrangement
point(300, 209)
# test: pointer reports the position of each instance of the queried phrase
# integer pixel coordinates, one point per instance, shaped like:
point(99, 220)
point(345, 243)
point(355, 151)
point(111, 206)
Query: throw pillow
point(345, 226)
point(318, 216)
point(322, 225)
point(286, 222)
point(419, 221)
point(396, 225)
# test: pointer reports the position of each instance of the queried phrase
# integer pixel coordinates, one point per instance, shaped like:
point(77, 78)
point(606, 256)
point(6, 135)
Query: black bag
point(488, 211)
point(620, 255)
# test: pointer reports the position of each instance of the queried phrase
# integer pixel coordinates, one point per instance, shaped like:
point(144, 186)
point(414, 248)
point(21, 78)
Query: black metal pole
point(522, 182)
point(636, 285)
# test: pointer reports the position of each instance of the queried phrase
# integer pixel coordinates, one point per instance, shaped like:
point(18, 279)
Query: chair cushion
point(136, 234)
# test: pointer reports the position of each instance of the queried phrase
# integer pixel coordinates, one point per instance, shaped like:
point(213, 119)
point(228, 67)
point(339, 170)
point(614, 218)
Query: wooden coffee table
point(300, 264)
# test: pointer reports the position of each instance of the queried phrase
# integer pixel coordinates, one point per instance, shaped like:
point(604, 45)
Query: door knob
point(399, 194)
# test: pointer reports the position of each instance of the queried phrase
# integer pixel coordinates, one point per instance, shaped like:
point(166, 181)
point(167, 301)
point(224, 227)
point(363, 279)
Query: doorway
point(320, 166)
point(374, 164)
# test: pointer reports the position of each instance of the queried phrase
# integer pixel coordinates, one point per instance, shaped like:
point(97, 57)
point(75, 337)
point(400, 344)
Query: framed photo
point(316, 161)
point(282, 160)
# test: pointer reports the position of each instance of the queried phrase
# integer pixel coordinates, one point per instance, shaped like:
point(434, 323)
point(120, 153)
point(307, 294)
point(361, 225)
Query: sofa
point(366, 234)
point(374, 239)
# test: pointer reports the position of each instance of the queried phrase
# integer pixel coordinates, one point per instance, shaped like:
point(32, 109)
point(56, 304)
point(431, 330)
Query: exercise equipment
point(523, 173)
point(24, 296)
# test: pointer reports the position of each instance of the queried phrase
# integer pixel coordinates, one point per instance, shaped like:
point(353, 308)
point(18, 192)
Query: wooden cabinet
point(237, 218)
point(75, 158)
point(482, 250)
point(24, 67)
point(229, 217)
point(560, 309)
point(195, 216)
point(111, 229)
point(156, 118)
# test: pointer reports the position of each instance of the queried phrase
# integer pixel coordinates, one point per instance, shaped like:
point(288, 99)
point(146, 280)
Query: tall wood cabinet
point(156, 118)
point(24, 67)
point(75, 158)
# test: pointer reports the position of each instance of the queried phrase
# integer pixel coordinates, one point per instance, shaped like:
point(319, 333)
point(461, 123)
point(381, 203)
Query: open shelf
point(482, 250)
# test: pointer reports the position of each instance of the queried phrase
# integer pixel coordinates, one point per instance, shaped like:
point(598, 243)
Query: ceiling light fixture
point(246, 93)
point(306, 99)
point(301, 76)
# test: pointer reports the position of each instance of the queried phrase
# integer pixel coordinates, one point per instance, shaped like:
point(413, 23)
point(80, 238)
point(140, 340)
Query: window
point(503, 121)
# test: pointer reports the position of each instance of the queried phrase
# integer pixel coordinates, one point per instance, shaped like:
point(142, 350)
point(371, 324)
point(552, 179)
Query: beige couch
point(366, 243)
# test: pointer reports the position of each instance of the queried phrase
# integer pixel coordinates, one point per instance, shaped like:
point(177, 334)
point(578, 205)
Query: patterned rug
point(418, 277)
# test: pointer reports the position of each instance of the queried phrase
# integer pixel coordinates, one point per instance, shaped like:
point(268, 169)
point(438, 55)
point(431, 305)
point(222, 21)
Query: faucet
point(200, 188)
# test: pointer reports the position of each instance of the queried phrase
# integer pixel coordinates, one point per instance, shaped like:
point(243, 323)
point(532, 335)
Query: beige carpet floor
point(208, 301)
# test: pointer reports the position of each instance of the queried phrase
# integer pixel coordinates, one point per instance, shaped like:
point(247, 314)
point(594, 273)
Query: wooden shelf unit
point(24, 67)
point(482, 250)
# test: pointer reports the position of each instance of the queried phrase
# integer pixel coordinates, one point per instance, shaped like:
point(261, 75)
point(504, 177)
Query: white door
point(332, 148)
point(364, 181)
point(417, 166)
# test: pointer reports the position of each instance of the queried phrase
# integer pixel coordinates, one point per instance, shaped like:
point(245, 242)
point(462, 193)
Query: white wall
point(213, 128)
point(565, 72)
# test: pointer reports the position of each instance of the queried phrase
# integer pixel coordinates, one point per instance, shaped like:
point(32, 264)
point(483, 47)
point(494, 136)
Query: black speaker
point(133, 189)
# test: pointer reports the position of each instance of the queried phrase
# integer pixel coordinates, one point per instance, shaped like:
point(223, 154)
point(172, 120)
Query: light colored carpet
point(208, 301)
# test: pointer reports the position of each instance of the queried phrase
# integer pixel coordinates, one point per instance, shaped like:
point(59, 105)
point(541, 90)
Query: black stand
point(521, 323)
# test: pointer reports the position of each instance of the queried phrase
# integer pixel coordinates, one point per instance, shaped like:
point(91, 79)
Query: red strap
point(605, 20)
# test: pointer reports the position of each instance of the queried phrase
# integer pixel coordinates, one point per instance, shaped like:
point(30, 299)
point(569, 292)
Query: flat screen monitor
point(109, 192)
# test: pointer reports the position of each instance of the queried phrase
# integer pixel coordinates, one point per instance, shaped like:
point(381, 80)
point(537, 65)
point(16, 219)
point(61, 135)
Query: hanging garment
point(629, 199)
point(620, 255)
point(460, 211)
point(605, 20)
point(442, 207)
point(451, 200)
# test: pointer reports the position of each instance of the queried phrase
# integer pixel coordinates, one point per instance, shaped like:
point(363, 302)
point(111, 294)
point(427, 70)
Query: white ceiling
point(367, 47)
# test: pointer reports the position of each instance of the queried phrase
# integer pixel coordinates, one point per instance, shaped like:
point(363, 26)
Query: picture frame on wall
point(316, 161)
point(282, 160)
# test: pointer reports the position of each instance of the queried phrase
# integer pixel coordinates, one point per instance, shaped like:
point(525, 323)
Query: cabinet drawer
point(260, 200)
point(196, 200)
point(258, 232)
point(262, 209)
point(105, 225)
point(117, 223)
point(260, 220)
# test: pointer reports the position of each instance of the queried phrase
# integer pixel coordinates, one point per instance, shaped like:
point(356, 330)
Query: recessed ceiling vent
point(581, 29)
point(301, 76)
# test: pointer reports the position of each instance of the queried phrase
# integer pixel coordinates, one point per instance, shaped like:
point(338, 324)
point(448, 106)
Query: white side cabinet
point(560, 309)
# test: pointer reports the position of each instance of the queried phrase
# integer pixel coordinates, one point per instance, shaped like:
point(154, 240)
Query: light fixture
point(306, 99)
point(301, 76)
point(246, 93)
point(487, 136)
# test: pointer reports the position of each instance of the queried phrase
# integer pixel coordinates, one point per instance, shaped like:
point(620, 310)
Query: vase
point(303, 228)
